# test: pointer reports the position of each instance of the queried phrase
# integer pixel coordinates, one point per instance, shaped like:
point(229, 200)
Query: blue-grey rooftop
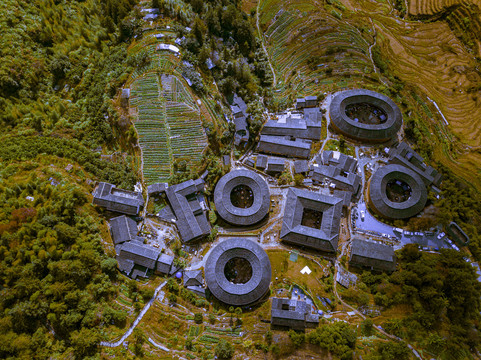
point(373, 255)
point(238, 294)
point(365, 132)
point(379, 201)
point(279, 145)
point(191, 220)
point(404, 155)
point(118, 200)
point(242, 216)
point(326, 237)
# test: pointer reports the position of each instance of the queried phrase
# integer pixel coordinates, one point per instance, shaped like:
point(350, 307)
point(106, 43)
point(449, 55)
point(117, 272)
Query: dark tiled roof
point(226, 160)
point(122, 229)
point(279, 145)
point(139, 253)
point(261, 162)
point(346, 197)
point(191, 225)
point(379, 201)
point(301, 166)
point(249, 162)
point(365, 132)
point(275, 165)
point(372, 254)
point(240, 123)
point(164, 263)
point(307, 127)
point(292, 313)
point(238, 105)
point(325, 238)
point(157, 188)
point(350, 182)
point(125, 265)
point(118, 200)
point(455, 231)
point(167, 214)
point(242, 216)
point(404, 155)
point(238, 294)
point(193, 278)
point(139, 271)
point(344, 162)
point(199, 290)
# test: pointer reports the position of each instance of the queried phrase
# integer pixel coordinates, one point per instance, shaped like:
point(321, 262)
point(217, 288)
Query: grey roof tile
point(365, 132)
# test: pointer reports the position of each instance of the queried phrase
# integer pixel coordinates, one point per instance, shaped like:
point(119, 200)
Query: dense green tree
point(393, 350)
point(198, 318)
point(297, 338)
point(224, 349)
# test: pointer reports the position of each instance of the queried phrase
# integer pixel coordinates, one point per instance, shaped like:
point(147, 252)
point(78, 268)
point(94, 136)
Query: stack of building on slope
point(135, 258)
point(239, 111)
point(187, 208)
point(292, 133)
point(341, 171)
point(404, 155)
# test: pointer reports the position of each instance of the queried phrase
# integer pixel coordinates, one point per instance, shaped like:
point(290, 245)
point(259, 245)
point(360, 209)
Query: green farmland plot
point(168, 123)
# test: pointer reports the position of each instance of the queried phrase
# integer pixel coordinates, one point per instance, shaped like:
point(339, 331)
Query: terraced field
point(429, 7)
point(165, 113)
point(327, 52)
point(332, 45)
point(431, 59)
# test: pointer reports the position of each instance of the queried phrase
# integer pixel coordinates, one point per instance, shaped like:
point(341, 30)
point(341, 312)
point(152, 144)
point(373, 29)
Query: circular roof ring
point(243, 216)
point(238, 294)
point(360, 131)
point(378, 197)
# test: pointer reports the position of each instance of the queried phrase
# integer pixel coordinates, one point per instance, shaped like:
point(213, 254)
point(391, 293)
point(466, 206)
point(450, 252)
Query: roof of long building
point(108, 192)
point(191, 221)
point(283, 146)
point(351, 181)
point(122, 229)
point(373, 254)
point(139, 253)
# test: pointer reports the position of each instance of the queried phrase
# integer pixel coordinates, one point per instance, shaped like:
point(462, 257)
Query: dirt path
point(264, 46)
point(136, 321)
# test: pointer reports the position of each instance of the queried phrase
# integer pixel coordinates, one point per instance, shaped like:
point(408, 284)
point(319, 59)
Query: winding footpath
point(136, 321)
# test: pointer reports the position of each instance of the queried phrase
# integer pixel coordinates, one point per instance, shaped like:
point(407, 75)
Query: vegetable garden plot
point(168, 124)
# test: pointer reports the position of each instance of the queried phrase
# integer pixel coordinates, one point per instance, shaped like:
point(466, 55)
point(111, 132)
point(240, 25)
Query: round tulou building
point(242, 197)
point(365, 116)
point(238, 272)
point(396, 192)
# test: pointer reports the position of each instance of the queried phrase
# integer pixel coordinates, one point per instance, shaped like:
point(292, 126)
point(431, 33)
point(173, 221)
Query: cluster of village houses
point(289, 136)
